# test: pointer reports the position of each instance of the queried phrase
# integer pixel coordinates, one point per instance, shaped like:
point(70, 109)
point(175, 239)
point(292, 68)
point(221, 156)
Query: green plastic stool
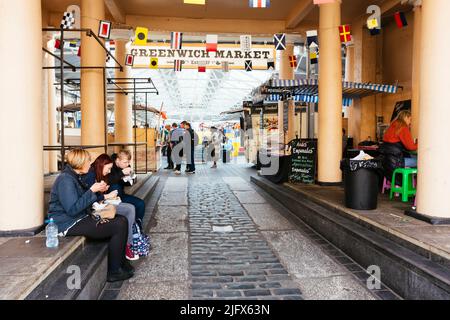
point(407, 189)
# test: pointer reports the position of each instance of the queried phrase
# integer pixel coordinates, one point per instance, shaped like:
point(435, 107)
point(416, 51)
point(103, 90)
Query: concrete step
point(91, 259)
point(406, 272)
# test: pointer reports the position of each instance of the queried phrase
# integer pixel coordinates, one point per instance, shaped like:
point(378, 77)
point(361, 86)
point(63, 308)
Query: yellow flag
point(154, 63)
point(372, 23)
point(141, 36)
point(194, 1)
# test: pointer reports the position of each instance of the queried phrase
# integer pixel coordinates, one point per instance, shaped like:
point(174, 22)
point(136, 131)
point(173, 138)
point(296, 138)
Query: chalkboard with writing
point(303, 163)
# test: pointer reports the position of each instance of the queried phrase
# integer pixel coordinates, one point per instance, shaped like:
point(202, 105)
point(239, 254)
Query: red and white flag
point(129, 60)
point(259, 3)
point(178, 65)
point(104, 29)
point(211, 42)
point(176, 40)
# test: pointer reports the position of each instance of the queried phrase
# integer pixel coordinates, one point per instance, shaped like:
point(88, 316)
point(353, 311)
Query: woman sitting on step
point(70, 207)
point(99, 172)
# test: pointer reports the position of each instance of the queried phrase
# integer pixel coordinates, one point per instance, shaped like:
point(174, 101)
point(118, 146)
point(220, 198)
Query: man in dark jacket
point(191, 140)
point(120, 177)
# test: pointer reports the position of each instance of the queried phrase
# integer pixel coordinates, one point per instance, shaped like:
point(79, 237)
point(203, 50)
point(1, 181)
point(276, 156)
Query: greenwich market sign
point(193, 55)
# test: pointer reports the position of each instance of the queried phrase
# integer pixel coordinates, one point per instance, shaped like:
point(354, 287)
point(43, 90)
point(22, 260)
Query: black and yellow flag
point(154, 63)
point(141, 36)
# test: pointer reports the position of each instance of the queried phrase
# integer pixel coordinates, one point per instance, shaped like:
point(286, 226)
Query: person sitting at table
point(398, 143)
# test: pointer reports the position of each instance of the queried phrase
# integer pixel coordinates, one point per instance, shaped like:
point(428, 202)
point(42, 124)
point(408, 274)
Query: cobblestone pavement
point(263, 255)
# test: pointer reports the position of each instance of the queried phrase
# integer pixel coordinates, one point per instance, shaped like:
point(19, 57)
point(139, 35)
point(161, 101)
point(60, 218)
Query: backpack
point(141, 242)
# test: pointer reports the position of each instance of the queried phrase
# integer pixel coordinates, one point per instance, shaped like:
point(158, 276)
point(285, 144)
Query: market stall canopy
point(307, 90)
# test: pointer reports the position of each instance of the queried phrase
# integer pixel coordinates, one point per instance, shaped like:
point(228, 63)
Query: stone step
point(406, 272)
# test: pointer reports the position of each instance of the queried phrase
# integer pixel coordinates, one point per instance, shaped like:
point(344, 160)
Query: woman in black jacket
point(70, 207)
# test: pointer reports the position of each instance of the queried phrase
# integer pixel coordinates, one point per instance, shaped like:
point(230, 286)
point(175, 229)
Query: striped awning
point(350, 89)
point(346, 102)
point(305, 90)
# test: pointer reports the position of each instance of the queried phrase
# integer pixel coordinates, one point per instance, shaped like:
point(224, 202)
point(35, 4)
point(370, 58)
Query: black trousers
point(116, 231)
point(169, 156)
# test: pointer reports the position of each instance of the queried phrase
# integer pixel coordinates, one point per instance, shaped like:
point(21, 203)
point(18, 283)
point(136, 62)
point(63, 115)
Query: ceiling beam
point(389, 5)
point(116, 11)
point(303, 8)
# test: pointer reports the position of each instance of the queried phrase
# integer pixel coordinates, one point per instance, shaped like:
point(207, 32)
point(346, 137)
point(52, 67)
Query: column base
point(329, 184)
point(22, 233)
point(429, 219)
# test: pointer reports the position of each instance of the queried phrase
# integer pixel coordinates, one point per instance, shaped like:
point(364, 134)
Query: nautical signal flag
point(248, 65)
point(176, 40)
point(153, 63)
point(313, 57)
point(372, 24)
point(259, 3)
point(104, 29)
point(129, 60)
point(270, 64)
point(246, 43)
point(293, 61)
point(73, 44)
point(195, 2)
point(400, 19)
point(178, 65)
point(280, 41)
point(68, 20)
point(225, 66)
point(201, 68)
point(79, 52)
point(374, 32)
point(211, 42)
point(345, 33)
point(312, 38)
point(58, 44)
point(141, 36)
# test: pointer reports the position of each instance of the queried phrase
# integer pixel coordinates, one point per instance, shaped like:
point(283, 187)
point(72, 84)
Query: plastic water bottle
point(51, 232)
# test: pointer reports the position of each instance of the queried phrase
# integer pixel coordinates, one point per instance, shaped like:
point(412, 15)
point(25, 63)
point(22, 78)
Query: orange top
point(404, 136)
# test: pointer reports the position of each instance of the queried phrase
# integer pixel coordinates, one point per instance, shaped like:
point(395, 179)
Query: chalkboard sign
point(303, 163)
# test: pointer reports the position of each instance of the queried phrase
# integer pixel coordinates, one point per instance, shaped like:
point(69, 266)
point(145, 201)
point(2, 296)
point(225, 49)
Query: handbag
point(141, 242)
point(107, 213)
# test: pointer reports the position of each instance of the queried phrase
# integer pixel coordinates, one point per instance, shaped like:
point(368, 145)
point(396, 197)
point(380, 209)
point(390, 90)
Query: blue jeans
point(139, 205)
point(411, 162)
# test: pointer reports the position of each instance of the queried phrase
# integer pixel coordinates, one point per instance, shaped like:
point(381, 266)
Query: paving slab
point(333, 288)
point(267, 218)
point(171, 219)
point(249, 197)
point(301, 256)
point(158, 290)
point(168, 259)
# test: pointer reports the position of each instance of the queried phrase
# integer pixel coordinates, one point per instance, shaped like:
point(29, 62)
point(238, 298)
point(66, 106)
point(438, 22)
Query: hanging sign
point(304, 161)
point(191, 54)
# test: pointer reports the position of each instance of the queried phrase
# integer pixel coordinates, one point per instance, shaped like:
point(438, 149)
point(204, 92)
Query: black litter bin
point(361, 183)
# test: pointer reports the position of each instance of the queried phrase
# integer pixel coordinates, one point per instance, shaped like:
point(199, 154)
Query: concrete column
point(330, 94)
point(52, 114)
point(45, 139)
point(286, 73)
point(416, 71)
point(123, 103)
point(434, 128)
point(21, 183)
point(92, 91)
